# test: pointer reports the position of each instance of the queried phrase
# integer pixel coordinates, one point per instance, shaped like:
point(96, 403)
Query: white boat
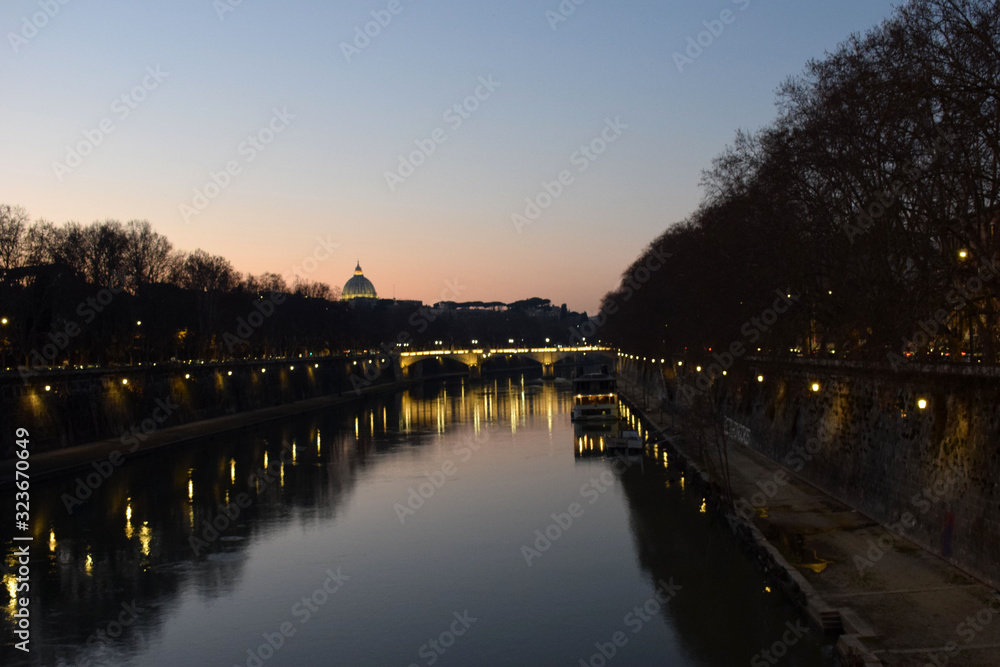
point(595, 398)
point(630, 441)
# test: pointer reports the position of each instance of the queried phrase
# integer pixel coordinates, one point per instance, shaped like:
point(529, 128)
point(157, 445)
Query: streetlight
point(922, 403)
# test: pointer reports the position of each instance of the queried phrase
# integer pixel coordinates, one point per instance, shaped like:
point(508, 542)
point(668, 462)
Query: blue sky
point(323, 175)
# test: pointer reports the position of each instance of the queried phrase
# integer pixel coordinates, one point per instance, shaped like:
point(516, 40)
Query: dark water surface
point(397, 532)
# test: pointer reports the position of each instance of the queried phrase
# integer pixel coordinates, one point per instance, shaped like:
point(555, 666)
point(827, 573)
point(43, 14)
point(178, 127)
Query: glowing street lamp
point(815, 386)
point(922, 403)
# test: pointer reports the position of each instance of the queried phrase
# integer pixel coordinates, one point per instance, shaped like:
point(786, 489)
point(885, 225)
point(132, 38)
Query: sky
point(485, 150)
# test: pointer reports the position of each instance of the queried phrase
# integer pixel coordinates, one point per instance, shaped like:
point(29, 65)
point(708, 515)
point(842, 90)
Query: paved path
point(900, 605)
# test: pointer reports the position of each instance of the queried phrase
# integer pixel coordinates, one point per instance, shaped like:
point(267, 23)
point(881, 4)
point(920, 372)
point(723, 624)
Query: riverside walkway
point(897, 603)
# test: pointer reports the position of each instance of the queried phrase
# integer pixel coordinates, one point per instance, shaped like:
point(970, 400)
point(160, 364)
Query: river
point(456, 523)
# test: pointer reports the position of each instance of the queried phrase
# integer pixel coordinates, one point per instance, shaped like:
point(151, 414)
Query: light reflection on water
point(369, 530)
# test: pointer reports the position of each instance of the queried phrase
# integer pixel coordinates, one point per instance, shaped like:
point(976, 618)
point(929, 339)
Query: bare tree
point(207, 273)
point(147, 254)
point(315, 290)
point(13, 226)
point(265, 282)
point(103, 247)
point(42, 241)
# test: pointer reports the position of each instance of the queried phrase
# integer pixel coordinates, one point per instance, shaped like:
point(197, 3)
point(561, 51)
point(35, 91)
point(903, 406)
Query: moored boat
point(595, 398)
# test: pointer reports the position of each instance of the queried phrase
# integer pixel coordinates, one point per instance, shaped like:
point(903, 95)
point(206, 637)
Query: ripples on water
point(398, 531)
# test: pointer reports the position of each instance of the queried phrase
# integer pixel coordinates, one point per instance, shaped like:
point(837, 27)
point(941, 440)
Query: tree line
point(868, 205)
point(113, 293)
point(130, 255)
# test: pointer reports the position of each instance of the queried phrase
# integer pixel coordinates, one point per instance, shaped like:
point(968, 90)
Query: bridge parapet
point(474, 357)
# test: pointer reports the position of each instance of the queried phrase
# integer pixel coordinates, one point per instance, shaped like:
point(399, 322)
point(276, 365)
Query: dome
point(358, 287)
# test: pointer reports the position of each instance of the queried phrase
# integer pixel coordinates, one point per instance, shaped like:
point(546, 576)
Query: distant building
point(358, 287)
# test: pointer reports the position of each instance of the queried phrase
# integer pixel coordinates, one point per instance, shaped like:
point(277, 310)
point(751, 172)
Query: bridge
point(474, 358)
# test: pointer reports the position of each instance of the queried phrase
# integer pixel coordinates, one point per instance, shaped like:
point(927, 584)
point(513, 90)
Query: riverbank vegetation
point(871, 199)
point(119, 293)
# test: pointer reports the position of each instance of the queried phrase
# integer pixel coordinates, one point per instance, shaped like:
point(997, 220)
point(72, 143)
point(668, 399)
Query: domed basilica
point(358, 287)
